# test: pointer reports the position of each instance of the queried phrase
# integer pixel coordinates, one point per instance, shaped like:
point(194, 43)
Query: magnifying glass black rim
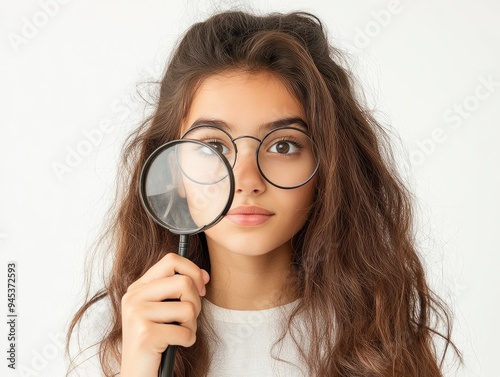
point(142, 185)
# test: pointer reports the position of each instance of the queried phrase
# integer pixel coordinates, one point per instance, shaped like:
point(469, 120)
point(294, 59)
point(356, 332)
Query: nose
point(247, 177)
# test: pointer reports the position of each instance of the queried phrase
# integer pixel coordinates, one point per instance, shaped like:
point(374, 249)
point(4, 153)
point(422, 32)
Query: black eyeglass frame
point(315, 154)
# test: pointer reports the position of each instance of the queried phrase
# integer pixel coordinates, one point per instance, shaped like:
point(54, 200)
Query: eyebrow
point(284, 122)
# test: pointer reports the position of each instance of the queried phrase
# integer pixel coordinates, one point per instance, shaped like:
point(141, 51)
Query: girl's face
point(262, 218)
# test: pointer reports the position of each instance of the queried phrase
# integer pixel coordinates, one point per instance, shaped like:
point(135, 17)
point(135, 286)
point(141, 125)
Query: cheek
point(303, 197)
point(296, 207)
point(205, 202)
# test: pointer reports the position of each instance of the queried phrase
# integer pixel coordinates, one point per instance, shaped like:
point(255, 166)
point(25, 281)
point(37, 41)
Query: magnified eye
point(214, 136)
point(218, 146)
point(284, 147)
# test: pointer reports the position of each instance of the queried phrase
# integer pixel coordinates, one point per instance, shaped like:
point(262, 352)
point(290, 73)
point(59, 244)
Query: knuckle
point(184, 335)
point(125, 301)
point(184, 282)
point(191, 340)
point(170, 258)
point(129, 307)
point(141, 329)
point(191, 312)
point(128, 312)
point(143, 332)
point(199, 272)
point(200, 276)
point(188, 338)
point(132, 286)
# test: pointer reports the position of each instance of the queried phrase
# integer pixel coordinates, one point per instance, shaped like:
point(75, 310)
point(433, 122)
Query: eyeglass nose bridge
point(257, 150)
point(246, 137)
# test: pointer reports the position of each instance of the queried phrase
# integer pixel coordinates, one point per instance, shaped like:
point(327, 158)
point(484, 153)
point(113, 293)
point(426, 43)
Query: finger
point(206, 276)
point(160, 336)
point(177, 287)
point(182, 313)
point(171, 264)
point(179, 335)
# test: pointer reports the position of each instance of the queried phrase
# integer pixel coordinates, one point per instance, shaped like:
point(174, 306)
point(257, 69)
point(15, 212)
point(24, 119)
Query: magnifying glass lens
point(201, 163)
point(187, 186)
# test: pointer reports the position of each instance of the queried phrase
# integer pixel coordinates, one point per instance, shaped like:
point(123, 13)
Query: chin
point(249, 244)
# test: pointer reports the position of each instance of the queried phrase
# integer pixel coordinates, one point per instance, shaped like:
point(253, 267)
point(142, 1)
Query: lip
point(249, 215)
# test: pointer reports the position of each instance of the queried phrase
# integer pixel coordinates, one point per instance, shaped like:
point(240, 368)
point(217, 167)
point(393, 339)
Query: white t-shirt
point(246, 343)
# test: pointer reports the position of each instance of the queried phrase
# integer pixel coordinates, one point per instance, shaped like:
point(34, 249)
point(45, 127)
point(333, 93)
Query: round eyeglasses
point(286, 156)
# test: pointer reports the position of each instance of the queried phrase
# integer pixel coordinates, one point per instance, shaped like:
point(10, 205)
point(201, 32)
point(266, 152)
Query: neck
point(249, 282)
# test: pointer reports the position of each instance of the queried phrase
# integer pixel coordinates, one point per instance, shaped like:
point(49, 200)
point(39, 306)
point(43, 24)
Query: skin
point(250, 259)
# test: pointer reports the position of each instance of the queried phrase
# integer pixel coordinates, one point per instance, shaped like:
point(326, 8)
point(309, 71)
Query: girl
point(313, 271)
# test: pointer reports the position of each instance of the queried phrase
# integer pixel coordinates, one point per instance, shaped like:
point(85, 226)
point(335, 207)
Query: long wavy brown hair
point(359, 275)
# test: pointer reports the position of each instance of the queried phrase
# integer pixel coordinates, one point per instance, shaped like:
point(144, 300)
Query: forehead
point(244, 101)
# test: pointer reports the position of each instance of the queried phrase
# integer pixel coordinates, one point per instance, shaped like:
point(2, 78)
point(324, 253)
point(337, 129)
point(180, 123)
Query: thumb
point(206, 276)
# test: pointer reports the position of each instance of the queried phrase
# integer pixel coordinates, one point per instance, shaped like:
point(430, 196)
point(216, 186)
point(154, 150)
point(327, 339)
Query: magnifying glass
point(186, 186)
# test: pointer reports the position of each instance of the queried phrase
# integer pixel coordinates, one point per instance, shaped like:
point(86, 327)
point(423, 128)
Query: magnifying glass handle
point(183, 245)
point(168, 357)
point(167, 362)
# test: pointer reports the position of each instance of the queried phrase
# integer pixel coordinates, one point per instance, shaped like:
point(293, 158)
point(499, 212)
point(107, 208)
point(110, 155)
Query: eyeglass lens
point(285, 156)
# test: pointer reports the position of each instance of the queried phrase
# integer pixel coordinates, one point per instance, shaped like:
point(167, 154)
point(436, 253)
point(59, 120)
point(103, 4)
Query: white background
point(77, 67)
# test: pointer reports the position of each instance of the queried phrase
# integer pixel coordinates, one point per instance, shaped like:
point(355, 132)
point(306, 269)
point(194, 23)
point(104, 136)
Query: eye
point(284, 147)
point(218, 146)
